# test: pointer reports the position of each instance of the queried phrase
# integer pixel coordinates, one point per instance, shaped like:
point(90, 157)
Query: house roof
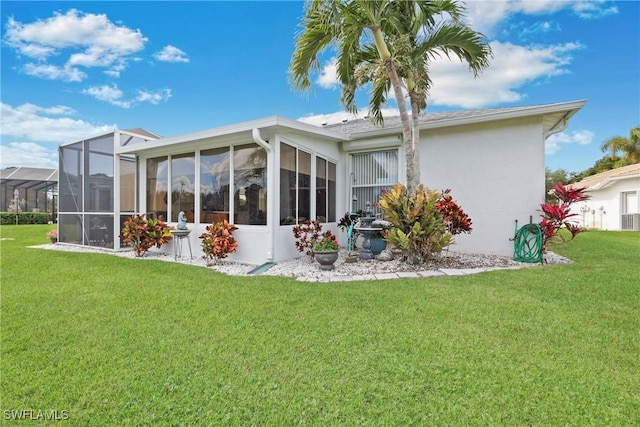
point(244, 129)
point(555, 119)
point(29, 178)
point(143, 132)
point(604, 179)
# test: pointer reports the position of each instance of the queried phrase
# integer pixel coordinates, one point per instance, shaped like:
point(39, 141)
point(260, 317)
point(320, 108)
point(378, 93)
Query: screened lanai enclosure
point(24, 189)
point(93, 205)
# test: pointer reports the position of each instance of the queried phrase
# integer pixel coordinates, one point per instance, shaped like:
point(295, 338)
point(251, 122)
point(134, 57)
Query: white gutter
point(560, 126)
point(255, 133)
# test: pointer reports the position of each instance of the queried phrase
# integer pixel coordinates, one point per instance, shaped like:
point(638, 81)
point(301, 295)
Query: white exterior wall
point(258, 244)
point(604, 209)
point(496, 174)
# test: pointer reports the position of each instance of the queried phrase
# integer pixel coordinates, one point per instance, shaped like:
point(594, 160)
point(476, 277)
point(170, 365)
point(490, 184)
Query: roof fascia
point(571, 108)
point(611, 180)
point(137, 135)
point(267, 122)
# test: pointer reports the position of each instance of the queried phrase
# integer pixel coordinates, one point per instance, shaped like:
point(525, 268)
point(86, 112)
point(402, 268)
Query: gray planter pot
point(326, 259)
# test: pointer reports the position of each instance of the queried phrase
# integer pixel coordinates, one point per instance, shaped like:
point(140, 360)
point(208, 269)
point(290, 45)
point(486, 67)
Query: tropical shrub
point(556, 214)
point(218, 241)
point(326, 242)
point(455, 219)
point(418, 227)
point(349, 218)
point(9, 218)
point(145, 233)
point(309, 233)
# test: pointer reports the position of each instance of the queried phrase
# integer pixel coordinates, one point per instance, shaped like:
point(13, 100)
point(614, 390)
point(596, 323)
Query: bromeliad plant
point(145, 233)
point(218, 241)
point(556, 215)
point(423, 223)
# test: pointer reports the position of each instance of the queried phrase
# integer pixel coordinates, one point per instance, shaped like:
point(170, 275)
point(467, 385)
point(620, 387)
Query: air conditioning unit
point(631, 222)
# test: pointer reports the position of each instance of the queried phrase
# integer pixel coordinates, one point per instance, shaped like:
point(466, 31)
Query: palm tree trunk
point(412, 180)
point(385, 55)
point(415, 134)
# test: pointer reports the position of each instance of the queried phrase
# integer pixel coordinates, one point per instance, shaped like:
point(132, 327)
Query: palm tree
point(629, 147)
point(345, 23)
point(409, 27)
point(419, 40)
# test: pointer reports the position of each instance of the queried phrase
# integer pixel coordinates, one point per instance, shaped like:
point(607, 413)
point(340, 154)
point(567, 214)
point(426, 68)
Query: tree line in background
point(619, 151)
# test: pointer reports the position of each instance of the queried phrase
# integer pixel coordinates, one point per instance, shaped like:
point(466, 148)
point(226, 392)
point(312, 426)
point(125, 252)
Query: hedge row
point(7, 218)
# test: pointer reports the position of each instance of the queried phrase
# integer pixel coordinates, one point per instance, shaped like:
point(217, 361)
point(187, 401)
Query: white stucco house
point(267, 175)
point(615, 200)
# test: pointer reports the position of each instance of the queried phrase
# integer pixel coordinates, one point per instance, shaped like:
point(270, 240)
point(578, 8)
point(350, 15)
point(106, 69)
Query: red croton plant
point(556, 215)
point(218, 241)
point(455, 218)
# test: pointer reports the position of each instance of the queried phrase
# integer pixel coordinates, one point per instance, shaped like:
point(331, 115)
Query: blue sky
point(73, 69)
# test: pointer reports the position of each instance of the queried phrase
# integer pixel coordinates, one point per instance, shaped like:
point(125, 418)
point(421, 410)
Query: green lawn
point(128, 342)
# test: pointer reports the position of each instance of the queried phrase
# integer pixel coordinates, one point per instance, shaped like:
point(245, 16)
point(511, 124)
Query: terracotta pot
point(326, 259)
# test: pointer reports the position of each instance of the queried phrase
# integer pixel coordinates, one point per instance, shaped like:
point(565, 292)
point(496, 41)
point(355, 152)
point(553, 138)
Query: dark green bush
point(7, 218)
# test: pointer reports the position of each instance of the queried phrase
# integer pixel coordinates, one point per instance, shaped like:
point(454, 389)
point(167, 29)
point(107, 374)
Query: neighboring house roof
point(556, 118)
point(604, 179)
point(29, 178)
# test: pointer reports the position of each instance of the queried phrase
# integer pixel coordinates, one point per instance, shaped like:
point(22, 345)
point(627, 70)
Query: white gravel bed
point(305, 268)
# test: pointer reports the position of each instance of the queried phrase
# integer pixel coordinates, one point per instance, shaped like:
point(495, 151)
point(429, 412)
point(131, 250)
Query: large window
point(321, 189)
point(250, 184)
point(331, 192)
point(214, 185)
point(157, 185)
point(183, 181)
point(629, 202)
point(295, 187)
point(325, 190)
point(372, 173)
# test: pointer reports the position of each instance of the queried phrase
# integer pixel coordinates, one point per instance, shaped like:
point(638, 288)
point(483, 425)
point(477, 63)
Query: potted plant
point(326, 250)
point(53, 235)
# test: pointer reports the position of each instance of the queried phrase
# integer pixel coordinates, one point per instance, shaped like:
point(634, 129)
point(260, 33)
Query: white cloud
point(484, 15)
point(153, 97)
point(45, 127)
point(171, 54)
point(28, 154)
point(78, 38)
point(37, 124)
point(111, 94)
point(555, 142)
point(53, 72)
point(511, 68)
point(328, 77)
